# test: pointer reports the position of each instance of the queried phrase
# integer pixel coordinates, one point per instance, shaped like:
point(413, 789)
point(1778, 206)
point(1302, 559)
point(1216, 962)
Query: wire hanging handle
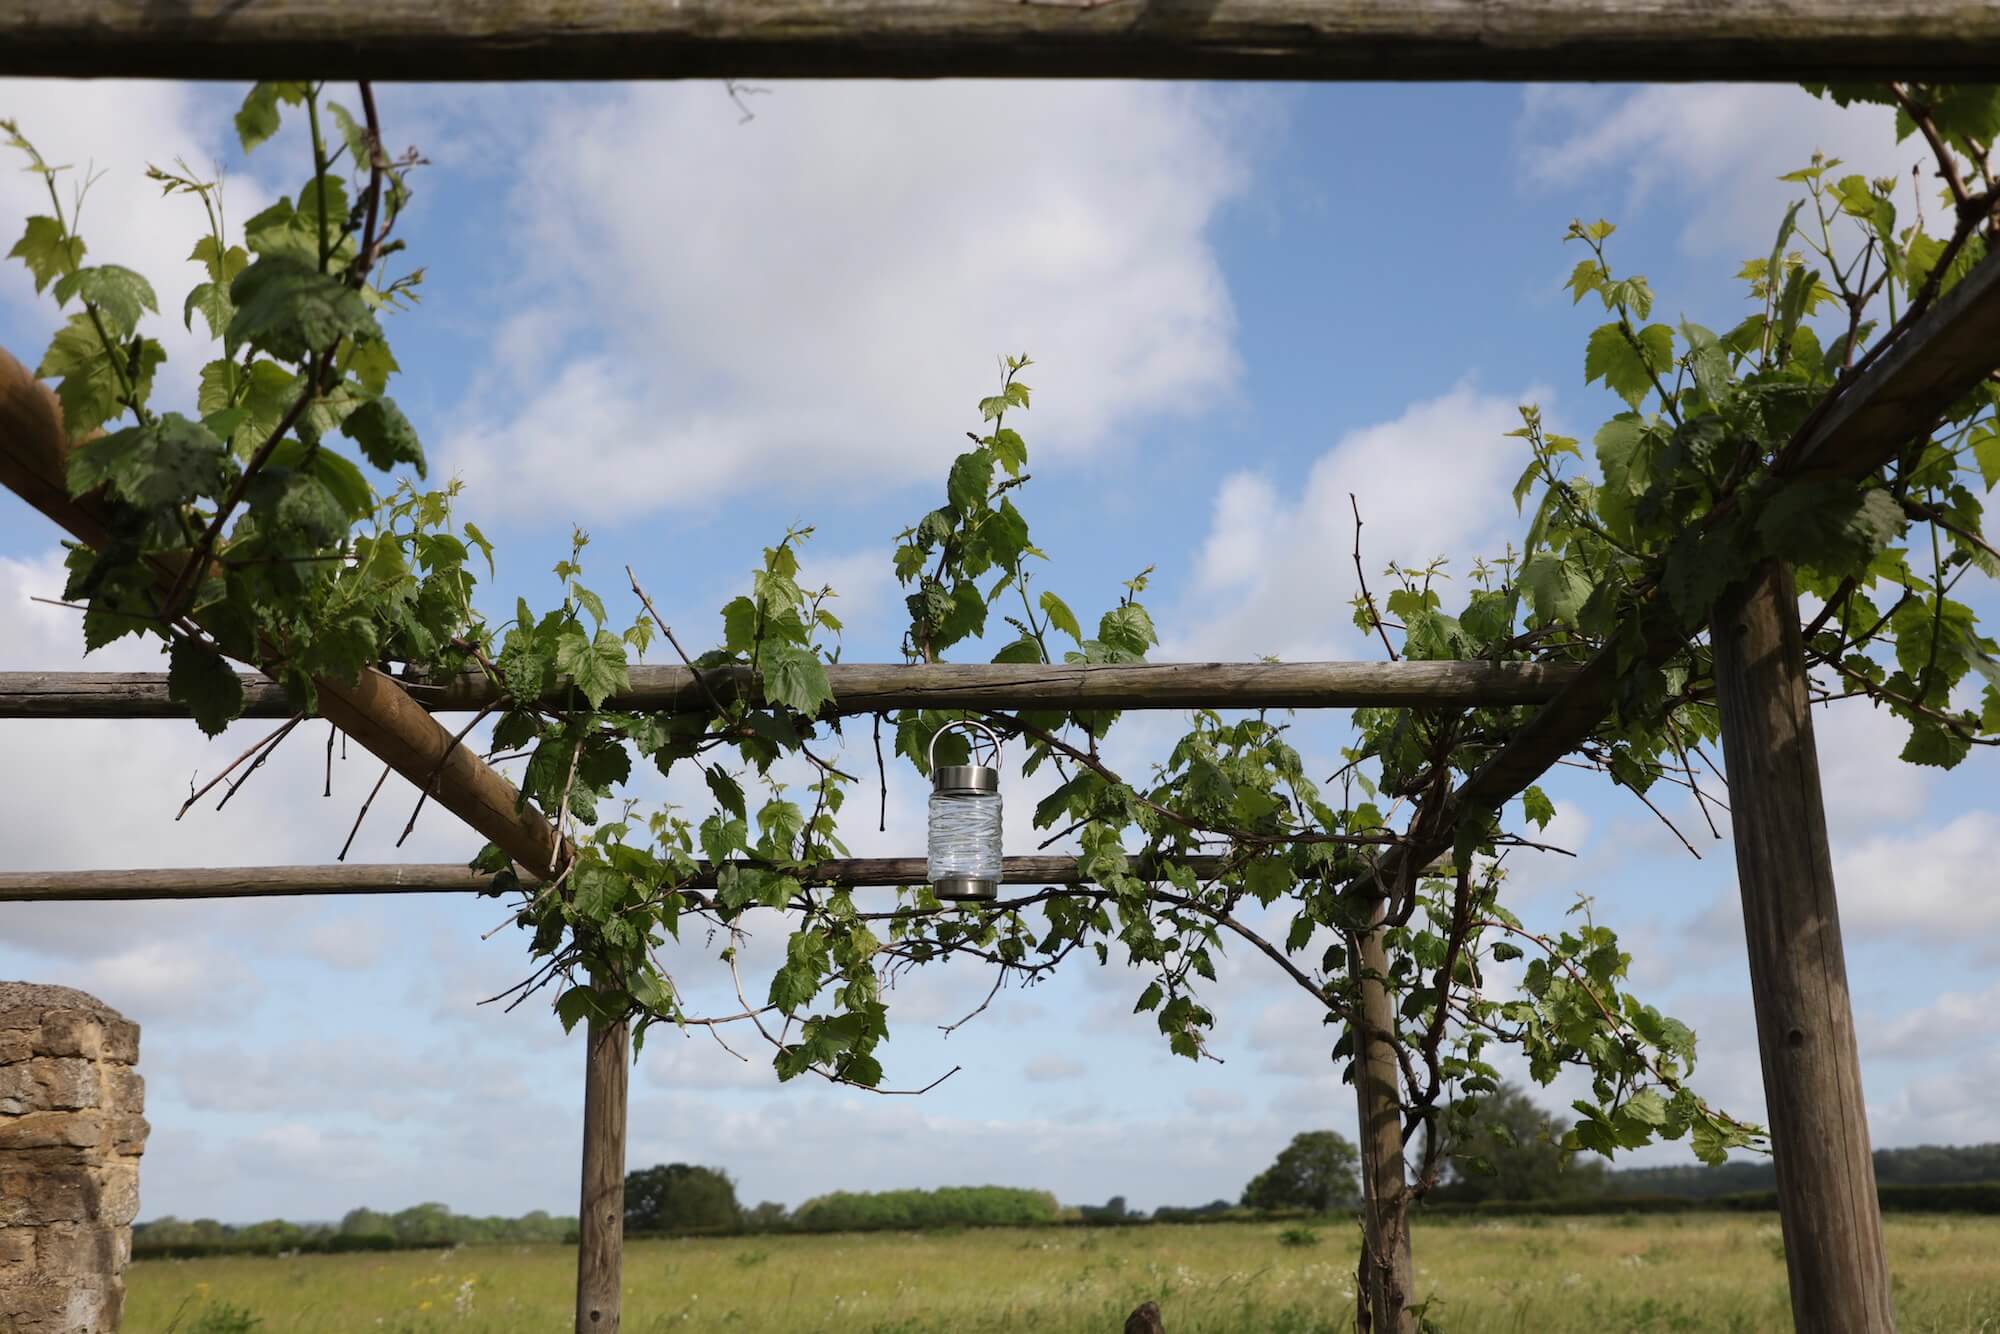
point(992, 738)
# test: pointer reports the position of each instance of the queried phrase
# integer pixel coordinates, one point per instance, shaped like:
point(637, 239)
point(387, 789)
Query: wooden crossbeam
point(265, 882)
point(1591, 40)
point(873, 688)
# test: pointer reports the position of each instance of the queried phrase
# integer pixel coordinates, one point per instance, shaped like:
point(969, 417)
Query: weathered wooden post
point(1798, 974)
point(71, 1134)
point(601, 1210)
point(1386, 1273)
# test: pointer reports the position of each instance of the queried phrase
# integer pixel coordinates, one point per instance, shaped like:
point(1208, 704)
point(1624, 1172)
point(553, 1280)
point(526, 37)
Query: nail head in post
point(965, 815)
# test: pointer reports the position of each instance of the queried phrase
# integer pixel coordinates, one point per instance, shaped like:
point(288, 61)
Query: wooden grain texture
point(373, 710)
point(1798, 971)
point(879, 687)
point(601, 1204)
point(1387, 1272)
point(1899, 397)
point(259, 882)
point(1589, 40)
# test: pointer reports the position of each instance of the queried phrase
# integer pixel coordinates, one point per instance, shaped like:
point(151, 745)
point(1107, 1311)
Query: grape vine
point(277, 547)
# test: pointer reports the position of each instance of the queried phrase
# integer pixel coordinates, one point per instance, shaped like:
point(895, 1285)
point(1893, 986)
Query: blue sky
point(685, 333)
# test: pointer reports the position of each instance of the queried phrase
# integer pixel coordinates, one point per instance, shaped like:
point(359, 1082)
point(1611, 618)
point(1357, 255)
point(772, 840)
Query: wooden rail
point(263, 882)
point(874, 688)
point(1591, 40)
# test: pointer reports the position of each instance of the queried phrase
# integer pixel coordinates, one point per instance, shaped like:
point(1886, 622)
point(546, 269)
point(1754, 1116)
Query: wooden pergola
point(1832, 1225)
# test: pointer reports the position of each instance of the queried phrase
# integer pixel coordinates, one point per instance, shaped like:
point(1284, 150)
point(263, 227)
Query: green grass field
point(1534, 1276)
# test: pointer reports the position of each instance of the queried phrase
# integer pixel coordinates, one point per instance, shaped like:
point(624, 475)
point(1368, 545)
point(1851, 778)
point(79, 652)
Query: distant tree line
point(680, 1198)
point(1512, 1160)
point(419, 1226)
point(1925, 1165)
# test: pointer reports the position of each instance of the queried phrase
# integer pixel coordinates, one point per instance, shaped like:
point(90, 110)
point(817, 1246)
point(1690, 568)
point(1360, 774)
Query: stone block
point(70, 1033)
point(124, 1088)
point(77, 1249)
point(70, 1138)
point(49, 1195)
point(128, 1134)
point(51, 1083)
point(121, 1041)
point(17, 1254)
point(116, 1187)
point(44, 1130)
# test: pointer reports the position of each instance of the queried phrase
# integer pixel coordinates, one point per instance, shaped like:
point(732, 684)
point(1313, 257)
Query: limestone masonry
point(71, 1134)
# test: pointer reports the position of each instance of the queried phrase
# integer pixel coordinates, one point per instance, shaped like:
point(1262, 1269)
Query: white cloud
point(1714, 150)
point(1278, 558)
point(1866, 784)
point(1051, 1067)
point(1944, 1027)
point(1938, 886)
point(109, 132)
point(818, 297)
point(1216, 1102)
point(1949, 1106)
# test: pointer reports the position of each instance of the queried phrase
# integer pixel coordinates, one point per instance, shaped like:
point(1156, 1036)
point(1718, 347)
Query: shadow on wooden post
point(601, 1210)
point(1798, 972)
point(1383, 1281)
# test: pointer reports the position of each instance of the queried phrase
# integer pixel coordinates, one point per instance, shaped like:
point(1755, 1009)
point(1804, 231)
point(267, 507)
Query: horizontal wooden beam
point(869, 688)
point(1587, 40)
point(264, 882)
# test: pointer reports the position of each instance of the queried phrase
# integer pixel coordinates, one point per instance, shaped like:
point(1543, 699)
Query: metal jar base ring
point(966, 888)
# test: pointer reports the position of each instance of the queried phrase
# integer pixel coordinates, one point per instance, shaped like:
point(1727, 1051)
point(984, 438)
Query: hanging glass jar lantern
point(964, 845)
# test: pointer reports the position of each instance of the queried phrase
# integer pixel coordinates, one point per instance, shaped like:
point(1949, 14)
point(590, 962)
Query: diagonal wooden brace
point(374, 710)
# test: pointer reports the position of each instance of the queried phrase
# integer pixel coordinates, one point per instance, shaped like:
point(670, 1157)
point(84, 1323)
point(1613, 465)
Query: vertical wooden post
point(1798, 974)
point(1386, 1272)
point(601, 1211)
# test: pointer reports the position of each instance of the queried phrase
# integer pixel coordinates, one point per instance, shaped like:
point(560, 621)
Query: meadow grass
point(1527, 1276)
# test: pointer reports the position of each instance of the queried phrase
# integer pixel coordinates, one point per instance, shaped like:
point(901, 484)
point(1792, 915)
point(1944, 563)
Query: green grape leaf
point(1010, 450)
point(794, 677)
point(119, 294)
point(595, 666)
point(1537, 807)
point(89, 389)
point(1128, 627)
point(1627, 365)
point(257, 118)
point(205, 683)
point(971, 478)
point(1022, 650)
point(386, 437)
point(47, 250)
point(600, 891)
point(290, 309)
point(1985, 442)
point(1709, 361)
point(1557, 586)
point(1060, 616)
point(1830, 524)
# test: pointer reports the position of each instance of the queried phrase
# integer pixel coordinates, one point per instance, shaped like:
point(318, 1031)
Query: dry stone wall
point(71, 1132)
